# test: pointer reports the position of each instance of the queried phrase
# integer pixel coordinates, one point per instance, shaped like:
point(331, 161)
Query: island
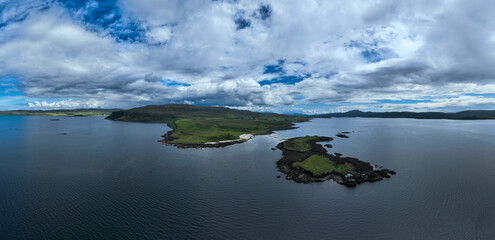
point(305, 161)
point(203, 127)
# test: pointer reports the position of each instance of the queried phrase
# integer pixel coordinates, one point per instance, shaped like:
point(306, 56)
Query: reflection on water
point(113, 180)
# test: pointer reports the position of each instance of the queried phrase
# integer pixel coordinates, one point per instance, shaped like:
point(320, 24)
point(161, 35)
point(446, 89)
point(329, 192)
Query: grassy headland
point(60, 112)
point(199, 125)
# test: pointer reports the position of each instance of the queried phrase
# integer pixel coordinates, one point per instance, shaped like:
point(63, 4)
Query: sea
point(91, 178)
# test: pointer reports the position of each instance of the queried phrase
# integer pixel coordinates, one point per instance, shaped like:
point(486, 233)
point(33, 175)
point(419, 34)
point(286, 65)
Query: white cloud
point(66, 104)
point(421, 48)
point(159, 34)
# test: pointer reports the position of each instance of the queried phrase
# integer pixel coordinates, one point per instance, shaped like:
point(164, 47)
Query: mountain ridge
point(462, 115)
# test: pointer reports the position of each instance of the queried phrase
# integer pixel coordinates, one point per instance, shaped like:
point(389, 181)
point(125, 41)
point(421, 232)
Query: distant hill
point(198, 125)
point(60, 112)
point(464, 115)
point(168, 113)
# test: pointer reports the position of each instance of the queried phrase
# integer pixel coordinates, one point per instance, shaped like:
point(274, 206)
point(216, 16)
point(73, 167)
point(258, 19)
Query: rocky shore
point(359, 172)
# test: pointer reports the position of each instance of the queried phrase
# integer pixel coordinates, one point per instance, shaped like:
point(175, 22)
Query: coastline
point(168, 139)
point(202, 126)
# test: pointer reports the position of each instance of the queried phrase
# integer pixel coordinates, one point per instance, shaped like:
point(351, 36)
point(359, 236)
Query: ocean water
point(91, 178)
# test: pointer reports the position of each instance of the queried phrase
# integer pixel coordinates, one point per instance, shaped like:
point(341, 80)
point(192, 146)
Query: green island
point(305, 161)
point(196, 126)
point(61, 112)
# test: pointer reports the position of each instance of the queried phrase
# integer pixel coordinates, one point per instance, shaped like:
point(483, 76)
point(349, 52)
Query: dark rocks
point(342, 135)
point(274, 149)
point(278, 176)
point(338, 154)
point(328, 145)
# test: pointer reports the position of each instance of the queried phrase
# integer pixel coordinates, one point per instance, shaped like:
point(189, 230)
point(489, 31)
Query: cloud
point(65, 104)
point(267, 54)
point(451, 104)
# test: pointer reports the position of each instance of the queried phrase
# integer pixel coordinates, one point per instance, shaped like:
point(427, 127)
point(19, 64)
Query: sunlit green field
point(320, 164)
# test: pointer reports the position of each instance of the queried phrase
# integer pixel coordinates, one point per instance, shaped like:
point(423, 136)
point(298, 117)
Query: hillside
point(195, 126)
point(464, 115)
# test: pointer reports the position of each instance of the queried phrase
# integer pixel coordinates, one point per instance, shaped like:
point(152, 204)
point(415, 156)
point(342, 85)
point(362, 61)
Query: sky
point(286, 56)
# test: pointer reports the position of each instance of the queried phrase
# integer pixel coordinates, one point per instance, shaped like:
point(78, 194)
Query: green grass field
point(320, 164)
point(299, 144)
point(193, 124)
point(208, 130)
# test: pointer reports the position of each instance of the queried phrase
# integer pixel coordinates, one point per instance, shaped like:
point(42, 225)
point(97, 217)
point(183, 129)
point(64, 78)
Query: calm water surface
point(113, 180)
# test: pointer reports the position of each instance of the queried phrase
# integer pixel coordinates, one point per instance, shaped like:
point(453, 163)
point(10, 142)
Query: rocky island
point(305, 161)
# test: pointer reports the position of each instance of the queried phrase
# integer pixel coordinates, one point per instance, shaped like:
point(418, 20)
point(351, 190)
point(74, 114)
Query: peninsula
point(305, 161)
point(198, 127)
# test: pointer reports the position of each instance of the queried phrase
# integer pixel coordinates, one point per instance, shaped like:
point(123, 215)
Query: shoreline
point(168, 139)
point(242, 138)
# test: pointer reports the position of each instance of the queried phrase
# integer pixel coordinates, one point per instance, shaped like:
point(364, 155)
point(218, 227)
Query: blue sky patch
point(9, 86)
point(105, 14)
point(172, 83)
point(376, 55)
point(242, 23)
point(289, 80)
point(277, 68)
point(265, 12)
